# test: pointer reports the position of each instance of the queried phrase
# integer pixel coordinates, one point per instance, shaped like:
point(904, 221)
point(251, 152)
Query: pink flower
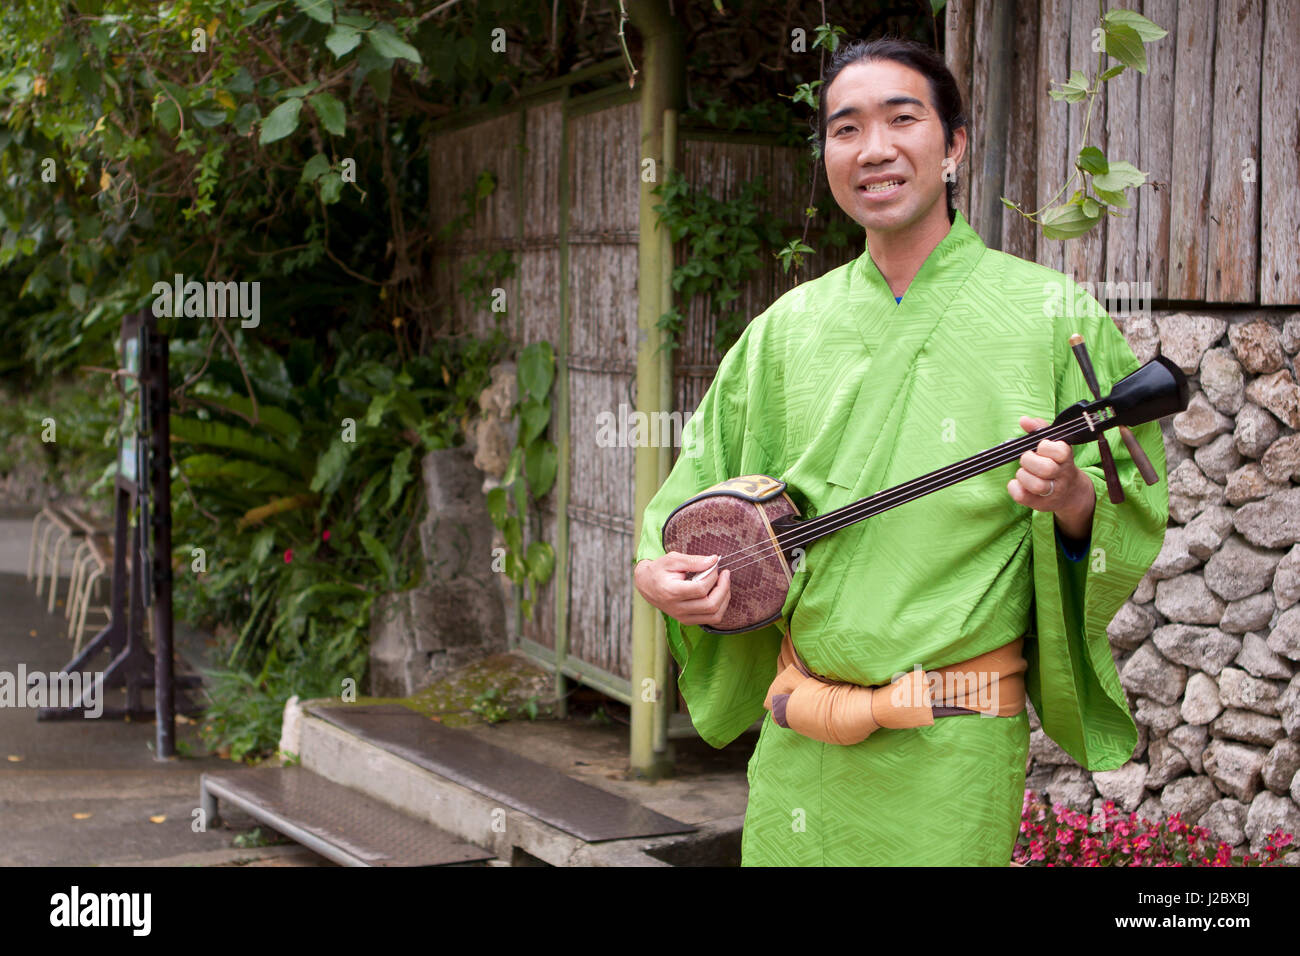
point(288, 556)
point(325, 535)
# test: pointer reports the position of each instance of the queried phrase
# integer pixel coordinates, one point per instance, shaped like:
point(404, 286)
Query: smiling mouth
point(882, 187)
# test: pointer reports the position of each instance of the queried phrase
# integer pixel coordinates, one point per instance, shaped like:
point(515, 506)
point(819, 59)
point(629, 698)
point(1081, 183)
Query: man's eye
point(904, 116)
point(842, 129)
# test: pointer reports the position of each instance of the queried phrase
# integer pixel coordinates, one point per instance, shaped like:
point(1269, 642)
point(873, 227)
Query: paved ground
point(89, 792)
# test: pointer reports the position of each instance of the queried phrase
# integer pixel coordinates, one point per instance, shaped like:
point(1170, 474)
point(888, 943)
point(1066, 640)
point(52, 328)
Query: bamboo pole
point(664, 88)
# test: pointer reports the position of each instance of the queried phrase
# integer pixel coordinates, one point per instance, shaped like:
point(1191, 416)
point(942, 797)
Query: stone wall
point(1208, 643)
point(464, 609)
point(456, 615)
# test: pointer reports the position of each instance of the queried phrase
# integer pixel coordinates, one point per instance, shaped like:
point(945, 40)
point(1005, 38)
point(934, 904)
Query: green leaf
point(282, 121)
point(238, 473)
point(342, 39)
point(539, 467)
point(1072, 90)
point(399, 476)
point(331, 113)
point(316, 167)
point(220, 435)
point(496, 505)
point(540, 560)
point(378, 553)
point(512, 469)
point(514, 543)
point(166, 114)
point(1115, 198)
point(322, 11)
point(330, 465)
point(936, 6)
point(1124, 44)
point(245, 117)
point(392, 46)
point(537, 370)
point(256, 11)
point(1091, 208)
point(262, 544)
point(241, 81)
point(1066, 222)
point(1119, 175)
point(276, 419)
point(1091, 160)
point(534, 419)
point(1113, 72)
point(331, 188)
point(1143, 27)
point(209, 118)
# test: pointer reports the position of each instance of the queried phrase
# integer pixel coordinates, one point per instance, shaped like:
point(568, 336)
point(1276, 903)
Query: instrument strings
point(815, 528)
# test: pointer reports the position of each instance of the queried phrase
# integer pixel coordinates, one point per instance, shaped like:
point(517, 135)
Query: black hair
point(926, 61)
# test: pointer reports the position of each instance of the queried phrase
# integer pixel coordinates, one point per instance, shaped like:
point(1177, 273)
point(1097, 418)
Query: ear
point(958, 149)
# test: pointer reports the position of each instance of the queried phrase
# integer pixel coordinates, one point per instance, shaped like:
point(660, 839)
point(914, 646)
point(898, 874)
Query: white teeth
point(881, 187)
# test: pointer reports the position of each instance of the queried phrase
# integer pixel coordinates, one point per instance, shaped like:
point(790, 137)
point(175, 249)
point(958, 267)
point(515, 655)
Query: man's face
point(884, 146)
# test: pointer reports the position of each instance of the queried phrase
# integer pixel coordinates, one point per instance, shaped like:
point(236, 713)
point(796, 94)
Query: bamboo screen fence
point(566, 206)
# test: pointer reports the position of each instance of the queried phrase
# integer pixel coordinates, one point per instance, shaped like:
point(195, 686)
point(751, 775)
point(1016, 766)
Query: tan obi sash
point(839, 712)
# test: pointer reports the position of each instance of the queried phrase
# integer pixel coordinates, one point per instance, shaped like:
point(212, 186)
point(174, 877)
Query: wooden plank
point(958, 27)
point(1233, 233)
point(1155, 149)
point(1053, 137)
point(1019, 235)
point(1122, 139)
point(1189, 183)
point(1279, 164)
point(977, 145)
point(1084, 256)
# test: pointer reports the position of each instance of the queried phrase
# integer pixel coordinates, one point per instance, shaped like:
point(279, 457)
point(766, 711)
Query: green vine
point(1104, 181)
point(723, 242)
point(535, 459)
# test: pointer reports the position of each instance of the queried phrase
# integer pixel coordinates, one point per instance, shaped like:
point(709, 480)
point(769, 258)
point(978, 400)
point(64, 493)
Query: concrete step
point(488, 796)
point(340, 824)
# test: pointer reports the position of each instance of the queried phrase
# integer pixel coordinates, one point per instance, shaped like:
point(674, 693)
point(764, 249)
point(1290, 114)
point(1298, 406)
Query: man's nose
point(876, 146)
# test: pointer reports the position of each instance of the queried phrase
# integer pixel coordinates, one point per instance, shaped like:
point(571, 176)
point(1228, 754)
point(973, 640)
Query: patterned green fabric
point(840, 392)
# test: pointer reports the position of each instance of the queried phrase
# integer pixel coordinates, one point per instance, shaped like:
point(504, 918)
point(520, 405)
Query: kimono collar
point(949, 262)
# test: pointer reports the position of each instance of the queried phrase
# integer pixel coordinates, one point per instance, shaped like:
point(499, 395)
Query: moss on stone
point(451, 699)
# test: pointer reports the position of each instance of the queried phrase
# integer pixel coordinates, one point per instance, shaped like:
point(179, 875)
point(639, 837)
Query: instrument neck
point(805, 532)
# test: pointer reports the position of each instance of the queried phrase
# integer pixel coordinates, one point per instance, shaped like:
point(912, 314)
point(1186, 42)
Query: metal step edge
point(210, 788)
point(463, 812)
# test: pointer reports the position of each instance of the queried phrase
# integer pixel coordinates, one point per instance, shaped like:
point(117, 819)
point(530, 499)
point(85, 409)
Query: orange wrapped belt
point(838, 712)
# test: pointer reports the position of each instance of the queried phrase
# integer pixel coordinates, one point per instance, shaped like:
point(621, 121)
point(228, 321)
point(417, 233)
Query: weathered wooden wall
point(1214, 122)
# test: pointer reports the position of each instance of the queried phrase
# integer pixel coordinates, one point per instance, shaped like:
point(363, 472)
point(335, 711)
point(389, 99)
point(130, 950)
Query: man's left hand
point(1049, 480)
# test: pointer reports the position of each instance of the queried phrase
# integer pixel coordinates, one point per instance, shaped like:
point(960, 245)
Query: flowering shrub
point(1060, 836)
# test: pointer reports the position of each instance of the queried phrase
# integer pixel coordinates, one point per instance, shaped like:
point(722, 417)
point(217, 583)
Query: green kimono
point(840, 391)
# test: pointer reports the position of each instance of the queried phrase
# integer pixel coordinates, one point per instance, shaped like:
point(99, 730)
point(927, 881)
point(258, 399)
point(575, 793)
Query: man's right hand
point(702, 600)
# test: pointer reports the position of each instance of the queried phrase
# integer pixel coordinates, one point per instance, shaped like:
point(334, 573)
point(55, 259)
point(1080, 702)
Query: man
point(926, 349)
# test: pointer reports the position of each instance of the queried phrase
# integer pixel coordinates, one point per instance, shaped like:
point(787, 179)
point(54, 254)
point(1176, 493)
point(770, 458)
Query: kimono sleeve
point(724, 677)
point(1072, 680)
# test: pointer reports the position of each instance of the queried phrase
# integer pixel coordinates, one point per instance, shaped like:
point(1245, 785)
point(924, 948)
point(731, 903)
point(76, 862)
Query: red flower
point(288, 556)
point(325, 535)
